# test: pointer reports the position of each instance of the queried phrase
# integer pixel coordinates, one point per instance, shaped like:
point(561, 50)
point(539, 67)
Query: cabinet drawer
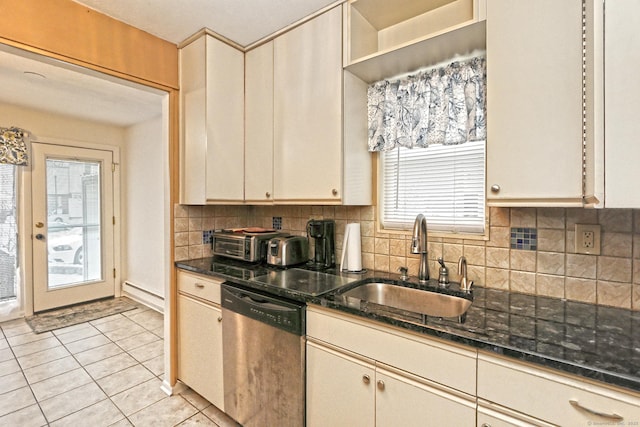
point(548, 396)
point(206, 288)
point(442, 363)
point(491, 415)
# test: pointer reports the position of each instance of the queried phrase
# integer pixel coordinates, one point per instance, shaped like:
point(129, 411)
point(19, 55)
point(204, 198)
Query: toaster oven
point(245, 246)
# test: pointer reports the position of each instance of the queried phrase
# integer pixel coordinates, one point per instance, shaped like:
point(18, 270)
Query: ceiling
point(35, 82)
point(40, 83)
point(241, 21)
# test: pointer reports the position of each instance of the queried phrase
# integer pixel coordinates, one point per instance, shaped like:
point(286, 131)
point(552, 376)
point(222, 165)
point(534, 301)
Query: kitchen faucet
point(465, 284)
point(419, 246)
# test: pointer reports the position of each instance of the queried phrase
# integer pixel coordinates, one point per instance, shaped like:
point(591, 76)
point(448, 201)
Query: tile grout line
point(59, 340)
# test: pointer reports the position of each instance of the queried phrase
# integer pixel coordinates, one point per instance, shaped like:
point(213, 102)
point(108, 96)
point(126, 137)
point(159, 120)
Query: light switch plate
point(588, 239)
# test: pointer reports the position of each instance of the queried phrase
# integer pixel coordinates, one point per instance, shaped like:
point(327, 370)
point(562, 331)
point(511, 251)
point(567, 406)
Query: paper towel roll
point(351, 248)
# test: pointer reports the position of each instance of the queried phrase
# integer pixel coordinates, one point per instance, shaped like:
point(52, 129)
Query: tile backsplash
point(529, 250)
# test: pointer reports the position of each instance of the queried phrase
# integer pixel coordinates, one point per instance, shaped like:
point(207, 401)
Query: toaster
point(286, 251)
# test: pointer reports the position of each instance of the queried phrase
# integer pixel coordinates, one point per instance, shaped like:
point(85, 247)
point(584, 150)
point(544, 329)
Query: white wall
point(44, 125)
point(143, 207)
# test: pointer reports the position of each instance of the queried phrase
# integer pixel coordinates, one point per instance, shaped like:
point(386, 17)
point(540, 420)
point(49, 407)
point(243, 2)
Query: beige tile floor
point(106, 372)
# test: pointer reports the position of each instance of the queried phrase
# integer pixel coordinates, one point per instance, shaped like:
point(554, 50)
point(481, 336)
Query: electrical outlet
point(588, 239)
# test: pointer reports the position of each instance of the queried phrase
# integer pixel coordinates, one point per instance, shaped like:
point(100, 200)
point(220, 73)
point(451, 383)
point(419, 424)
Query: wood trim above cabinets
point(68, 31)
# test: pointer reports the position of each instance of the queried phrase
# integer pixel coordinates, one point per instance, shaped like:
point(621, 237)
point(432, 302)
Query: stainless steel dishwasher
point(263, 345)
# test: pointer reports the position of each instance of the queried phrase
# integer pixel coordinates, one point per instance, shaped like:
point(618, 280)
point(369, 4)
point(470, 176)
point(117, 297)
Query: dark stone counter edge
point(587, 372)
point(631, 383)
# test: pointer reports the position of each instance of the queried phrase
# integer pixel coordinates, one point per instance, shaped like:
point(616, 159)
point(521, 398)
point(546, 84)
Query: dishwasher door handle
point(265, 304)
point(274, 311)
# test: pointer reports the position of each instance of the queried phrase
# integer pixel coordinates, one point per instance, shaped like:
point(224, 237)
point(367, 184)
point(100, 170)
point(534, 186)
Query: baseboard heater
point(143, 296)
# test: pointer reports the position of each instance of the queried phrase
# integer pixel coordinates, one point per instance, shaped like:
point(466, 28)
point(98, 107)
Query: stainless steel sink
point(410, 299)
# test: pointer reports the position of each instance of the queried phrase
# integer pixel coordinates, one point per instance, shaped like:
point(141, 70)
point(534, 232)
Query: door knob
point(40, 236)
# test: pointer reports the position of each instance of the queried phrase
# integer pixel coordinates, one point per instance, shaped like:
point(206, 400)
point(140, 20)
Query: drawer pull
point(199, 285)
point(577, 405)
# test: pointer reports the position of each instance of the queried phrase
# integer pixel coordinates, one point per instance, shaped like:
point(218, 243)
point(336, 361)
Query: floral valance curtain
point(13, 146)
point(442, 105)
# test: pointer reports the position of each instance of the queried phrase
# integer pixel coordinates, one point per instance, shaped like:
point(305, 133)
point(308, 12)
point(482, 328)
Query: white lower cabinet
point(405, 400)
point(550, 397)
point(490, 415)
point(365, 373)
point(348, 385)
point(200, 336)
point(340, 388)
point(344, 389)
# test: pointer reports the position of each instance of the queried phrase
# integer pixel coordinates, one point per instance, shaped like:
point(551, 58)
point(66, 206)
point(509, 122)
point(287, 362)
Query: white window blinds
point(444, 182)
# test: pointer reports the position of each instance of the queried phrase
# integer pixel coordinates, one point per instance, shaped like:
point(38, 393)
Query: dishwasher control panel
point(280, 313)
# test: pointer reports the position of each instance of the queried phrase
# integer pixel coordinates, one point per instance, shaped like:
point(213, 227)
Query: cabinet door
point(534, 107)
point(502, 417)
point(193, 138)
point(224, 122)
point(401, 401)
point(258, 175)
point(340, 389)
point(212, 125)
point(308, 110)
point(622, 103)
point(200, 349)
point(566, 401)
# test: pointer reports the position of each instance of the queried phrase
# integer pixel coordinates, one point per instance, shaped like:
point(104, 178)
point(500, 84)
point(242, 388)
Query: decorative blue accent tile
point(277, 223)
point(524, 238)
point(207, 237)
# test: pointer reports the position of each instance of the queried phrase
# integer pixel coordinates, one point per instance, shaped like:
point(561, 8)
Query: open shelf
point(385, 38)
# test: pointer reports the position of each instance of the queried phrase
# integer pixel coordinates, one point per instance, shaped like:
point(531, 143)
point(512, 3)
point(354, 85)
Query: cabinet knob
point(485, 425)
point(219, 318)
point(366, 379)
point(267, 195)
point(495, 188)
point(39, 224)
point(380, 385)
point(334, 192)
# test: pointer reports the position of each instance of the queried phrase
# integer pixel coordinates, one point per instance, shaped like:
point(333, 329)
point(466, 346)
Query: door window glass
point(73, 222)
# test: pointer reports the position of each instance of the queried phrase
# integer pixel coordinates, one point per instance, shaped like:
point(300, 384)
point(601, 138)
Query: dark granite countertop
point(595, 342)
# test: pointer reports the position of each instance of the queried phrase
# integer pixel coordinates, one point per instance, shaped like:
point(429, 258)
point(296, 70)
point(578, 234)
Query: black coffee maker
point(323, 233)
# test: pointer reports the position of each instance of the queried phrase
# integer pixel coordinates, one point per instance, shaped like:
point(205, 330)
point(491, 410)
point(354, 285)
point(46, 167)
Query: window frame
point(484, 236)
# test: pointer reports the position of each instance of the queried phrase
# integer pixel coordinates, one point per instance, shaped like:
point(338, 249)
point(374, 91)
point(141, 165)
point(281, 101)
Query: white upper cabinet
point(308, 110)
point(290, 127)
point(313, 160)
point(386, 38)
point(615, 103)
point(212, 122)
point(534, 103)
point(258, 175)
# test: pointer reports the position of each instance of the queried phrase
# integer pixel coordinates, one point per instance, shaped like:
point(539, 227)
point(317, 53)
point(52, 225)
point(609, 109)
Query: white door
point(73, 231)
